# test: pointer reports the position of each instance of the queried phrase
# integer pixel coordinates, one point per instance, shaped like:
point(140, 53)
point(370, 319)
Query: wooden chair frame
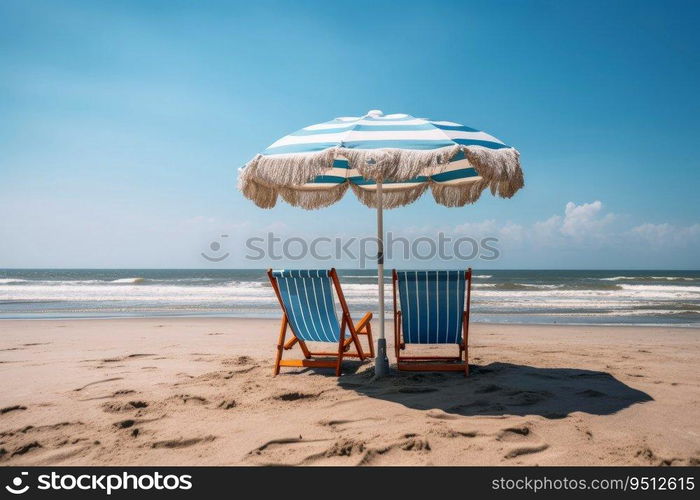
point(433, 363)
point(364, 327)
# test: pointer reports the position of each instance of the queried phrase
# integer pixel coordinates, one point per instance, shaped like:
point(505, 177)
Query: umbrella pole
point(381, 362)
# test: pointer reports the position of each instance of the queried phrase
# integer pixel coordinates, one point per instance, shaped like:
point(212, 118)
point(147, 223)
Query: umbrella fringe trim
point(390, 199)
point(500, 168)
point(263, 196)
point(313, 199)
point(288, 170)
point(446, 195)
point(264, 177)
point(457, 196)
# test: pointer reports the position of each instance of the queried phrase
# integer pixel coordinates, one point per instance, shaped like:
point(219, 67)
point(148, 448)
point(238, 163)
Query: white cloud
point(584, 224)
point(586, 220)
point(584, 227)
point(513, 232)
point(666, 235)
point(487, 227)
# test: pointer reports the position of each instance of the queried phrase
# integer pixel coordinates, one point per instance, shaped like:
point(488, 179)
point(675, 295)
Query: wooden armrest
point(363, 322)
point(290, 343)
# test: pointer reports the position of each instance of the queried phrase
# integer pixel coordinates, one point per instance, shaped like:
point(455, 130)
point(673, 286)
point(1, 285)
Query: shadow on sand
point(501, 389)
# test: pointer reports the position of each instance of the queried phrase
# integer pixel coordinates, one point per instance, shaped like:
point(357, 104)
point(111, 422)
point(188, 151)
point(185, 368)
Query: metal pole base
point(381, 362)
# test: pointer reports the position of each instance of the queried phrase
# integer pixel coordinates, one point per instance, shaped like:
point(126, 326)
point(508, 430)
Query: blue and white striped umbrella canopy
point(315, 166)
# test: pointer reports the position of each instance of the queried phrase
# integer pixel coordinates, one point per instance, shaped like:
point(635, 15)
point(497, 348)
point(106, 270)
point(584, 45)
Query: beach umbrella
point(388, 161)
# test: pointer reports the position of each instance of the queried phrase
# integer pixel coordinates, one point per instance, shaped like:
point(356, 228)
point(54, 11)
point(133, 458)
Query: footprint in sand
point(211, 376)
point(126, 358)
point(118, 406)
point(526, 450)
point(48, 437)
point(240, 361)
point(125, 424)
point(454, 433)
point(343, 448)
point(296, 396)
point(520, 433)
point(648, 456)
point(182, 443)
point(227, 404)
point(8, 409)
point(115, 394)
point(587, 432)
point(287, 451)
point(347, 424)
point(97, 382)
point(408, 443)
point(130, 422)
point(187, 398)
point(21, 450)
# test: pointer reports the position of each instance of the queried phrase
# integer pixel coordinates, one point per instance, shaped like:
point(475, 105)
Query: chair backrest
point(432, 306)
point(307, 299)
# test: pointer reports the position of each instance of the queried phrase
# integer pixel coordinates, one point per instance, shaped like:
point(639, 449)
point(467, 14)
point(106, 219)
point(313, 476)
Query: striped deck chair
point(434, 310)
point(306, 299)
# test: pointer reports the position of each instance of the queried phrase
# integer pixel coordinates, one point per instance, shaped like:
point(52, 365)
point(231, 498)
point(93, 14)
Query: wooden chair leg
point(397, 335)
point(371, 341)
point(280, 345)
point(354, 336)
point(466, 362)
point(466, 358)
point(342, 343)
point(304, 349)
point(358, 347)
point(465, 340)
point(341, 350)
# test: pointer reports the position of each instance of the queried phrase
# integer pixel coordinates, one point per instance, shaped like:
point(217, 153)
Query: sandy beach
point(200, 391)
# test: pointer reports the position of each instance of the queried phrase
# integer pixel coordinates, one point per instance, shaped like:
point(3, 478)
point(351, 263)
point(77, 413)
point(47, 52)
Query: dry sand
point(201, 391)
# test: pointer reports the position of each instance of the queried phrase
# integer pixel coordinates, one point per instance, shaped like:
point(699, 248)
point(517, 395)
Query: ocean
point(499, 296)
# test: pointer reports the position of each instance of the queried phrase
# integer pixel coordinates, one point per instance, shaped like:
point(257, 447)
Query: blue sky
point(123, 124)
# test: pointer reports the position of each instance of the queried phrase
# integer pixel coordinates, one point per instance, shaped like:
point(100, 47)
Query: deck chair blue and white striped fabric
point(308, 301)
point(432, 311)
point(432, 306)
point(308, 305)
